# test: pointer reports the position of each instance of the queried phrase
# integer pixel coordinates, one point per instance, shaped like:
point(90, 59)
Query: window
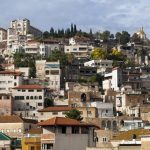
point(40, 97)
point(55, 113)
point(75, 130)
point(31, 90)
point(31, 97)
point(39, 104)
point(15, 84)
point(27, 104)
point(64, 130)
point(27, 97)
point(89, 112)
point(32, 147)
point(55, 72)
point(35, 97)
point(104, 139)
point(23, 90)
point(15, 77)
point(47, 72)
point(39, 90)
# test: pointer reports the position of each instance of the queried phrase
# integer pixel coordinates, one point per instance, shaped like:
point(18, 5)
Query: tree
point(125, 37)
point(58, 55)
point(74, 114)
point(48, 102)
point(122, 38)
point(75, 29)
point(105, 36)
point(46, 35)
point(118, 36)
point(99, 53)
point(51, 32)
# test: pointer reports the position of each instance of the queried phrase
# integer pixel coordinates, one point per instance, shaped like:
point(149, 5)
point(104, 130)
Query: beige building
point(15, 126)
point(78, 50)
point(50, 71)
point(6, 104)
point(60, 111)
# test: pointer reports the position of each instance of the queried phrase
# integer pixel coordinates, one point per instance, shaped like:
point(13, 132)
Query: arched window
point(27, 97)
point(114, 125)
point(109, 124)
point(31, 97)
point(83, 97)
point(40, 97)
point(103, 124)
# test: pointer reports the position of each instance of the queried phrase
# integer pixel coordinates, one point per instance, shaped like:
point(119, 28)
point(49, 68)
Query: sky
point(100, 15)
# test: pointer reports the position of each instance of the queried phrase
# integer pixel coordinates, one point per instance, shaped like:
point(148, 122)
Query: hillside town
point(73, 90)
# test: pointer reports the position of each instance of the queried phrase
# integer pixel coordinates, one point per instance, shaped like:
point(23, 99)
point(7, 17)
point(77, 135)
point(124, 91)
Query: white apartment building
point(49, 71)
point(78, 50)
point(9, 80)
point(105, 110)
point(113, 80)
point(101, 65)
point(3, 35)
point(28, 99)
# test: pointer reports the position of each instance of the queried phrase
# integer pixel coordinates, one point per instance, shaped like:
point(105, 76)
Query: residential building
point(78, 50)
point(60, 111)
point(14, 126)
point(28, 99)
point(104, 109)
point(113, 80)
point(31, 142)
point(50, 71)
point(132, 124)
point(101, 65)
point(9, 80)
point(66, 134)
point(3, 35)
point(6, 104)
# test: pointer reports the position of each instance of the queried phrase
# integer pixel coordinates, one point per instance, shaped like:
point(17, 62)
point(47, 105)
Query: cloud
point(112, 15)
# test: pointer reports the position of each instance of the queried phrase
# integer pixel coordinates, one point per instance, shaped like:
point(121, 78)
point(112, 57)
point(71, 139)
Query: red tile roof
point(8, 72)
point(61, 121)
point(34, 86)
point(11, 119)
point(56, 108)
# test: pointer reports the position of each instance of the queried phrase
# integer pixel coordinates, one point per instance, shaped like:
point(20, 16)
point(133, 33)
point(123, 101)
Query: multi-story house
point(101, 65)
point(28, 99)
point(66, 134)
point(3, 35)
point(50, 71)
point(9, 80)
point(78, 50)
